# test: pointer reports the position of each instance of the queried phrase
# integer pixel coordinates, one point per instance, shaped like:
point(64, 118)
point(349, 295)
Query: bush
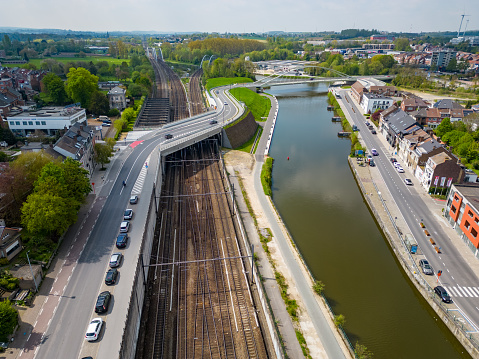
point(113, 112)
point(266, 173)
point(318, 287)
point(3, 261)
point(339, 320)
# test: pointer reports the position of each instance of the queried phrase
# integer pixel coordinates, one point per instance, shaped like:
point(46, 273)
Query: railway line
point(196, 98)
point(199, 303)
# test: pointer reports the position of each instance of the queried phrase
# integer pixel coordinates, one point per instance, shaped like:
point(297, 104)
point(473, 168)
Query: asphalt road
point(455, 273)
point(88, 261)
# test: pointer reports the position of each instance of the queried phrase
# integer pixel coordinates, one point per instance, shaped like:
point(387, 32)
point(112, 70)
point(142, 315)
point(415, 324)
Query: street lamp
point(31, 271)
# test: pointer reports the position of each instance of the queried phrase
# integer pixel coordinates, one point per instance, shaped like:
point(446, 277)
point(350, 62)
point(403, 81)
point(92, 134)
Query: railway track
point(196, 98)
point(200, 307)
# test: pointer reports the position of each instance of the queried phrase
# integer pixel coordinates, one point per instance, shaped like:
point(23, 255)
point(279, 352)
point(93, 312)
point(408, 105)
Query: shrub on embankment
point(355, 144)
point(266, 172)
point(224, 81)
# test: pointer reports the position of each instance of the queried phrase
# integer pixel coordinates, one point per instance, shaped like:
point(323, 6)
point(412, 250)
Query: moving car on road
point(168, 136)
point(134, 199)
point(94, 329)
point(374, 152)
point(408, 182)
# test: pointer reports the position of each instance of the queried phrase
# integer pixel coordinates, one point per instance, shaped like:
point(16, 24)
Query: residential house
point(357, 90)
point(413, 104)
point(117, 98)
point(441, 58)
point(10, 241)
point(420, 152)
point(394, 123)
point(440, 171)
point(384, 90)
point(372, 102)
point(78, 143)
point(462, 213)
point(409, 141)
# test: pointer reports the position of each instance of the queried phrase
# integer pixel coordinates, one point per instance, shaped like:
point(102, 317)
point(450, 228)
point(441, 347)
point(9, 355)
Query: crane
point(460, 25)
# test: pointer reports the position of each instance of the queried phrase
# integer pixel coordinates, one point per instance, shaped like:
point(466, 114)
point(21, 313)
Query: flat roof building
point(47, 119)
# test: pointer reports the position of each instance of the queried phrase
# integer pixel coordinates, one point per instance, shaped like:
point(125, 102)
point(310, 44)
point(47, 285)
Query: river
point(321, 204)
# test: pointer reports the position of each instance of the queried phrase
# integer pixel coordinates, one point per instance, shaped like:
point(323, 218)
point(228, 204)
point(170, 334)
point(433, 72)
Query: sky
point(240, 16)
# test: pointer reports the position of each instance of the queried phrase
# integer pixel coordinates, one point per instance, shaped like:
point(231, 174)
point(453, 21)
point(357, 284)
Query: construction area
point(199, 302)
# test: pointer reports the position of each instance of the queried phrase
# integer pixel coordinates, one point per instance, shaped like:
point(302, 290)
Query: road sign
point(439, 272)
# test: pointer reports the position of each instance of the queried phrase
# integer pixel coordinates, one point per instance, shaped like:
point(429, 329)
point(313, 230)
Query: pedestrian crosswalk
point(467, 292)
point(138, 186)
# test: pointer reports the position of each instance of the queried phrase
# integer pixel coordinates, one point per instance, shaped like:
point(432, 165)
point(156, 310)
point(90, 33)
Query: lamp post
point(31, 271)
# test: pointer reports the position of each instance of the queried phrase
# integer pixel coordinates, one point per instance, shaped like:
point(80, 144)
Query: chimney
point(78, 133)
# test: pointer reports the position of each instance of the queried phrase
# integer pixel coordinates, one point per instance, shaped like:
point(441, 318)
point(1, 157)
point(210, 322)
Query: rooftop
point(66, 111)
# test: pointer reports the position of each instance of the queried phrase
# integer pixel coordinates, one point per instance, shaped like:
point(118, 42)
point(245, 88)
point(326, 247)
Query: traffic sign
point(439, 272)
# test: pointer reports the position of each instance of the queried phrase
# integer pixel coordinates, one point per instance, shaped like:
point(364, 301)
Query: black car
point(111, 276)
point(373, 132)
point(168, 136)
point(121, 240)
point(102, 302)
point(212, 122)
point(392, 159)
point(441, 292)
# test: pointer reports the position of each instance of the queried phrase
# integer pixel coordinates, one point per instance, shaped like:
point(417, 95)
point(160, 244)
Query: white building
point(117, 98)
point(372, 102)
point(48, 119)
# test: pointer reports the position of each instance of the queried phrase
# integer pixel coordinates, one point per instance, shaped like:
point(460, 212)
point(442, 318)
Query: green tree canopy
point(8, 319)
point(102, 153)
point(444, 127)
point(55, 89)
point(99, 104)
point(81, 84)
point(30, 164)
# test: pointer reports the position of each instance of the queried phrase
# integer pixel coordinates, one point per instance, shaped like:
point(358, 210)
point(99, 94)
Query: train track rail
point(202, 307)
point(196, 97)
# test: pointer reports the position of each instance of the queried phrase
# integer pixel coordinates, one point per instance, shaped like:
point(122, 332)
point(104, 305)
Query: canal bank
point(386, 214)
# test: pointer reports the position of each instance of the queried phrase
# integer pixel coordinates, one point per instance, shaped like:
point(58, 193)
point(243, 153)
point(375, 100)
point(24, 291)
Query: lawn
point(259, 105)
point(223, 81)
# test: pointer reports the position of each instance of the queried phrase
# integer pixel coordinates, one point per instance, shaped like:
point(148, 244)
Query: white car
point(408, 182)
point(94, 329)
point(124, 227)
point(397, 164)
point(400, 169)
point(128, 214)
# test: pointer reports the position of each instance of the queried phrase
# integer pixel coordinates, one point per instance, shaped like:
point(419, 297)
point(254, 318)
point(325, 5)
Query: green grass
point(237, 120)
point(246, 147)
point(266, 172)
point(259, 105)
point(223, 81)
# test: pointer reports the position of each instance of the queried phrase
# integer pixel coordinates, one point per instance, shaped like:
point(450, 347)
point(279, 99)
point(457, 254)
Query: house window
point(476, 220)
point(453, 209)
point(17, 123)
point(30, 123)
point(12, 123)
point(25, 123)
point(44, 123)
point(37, 123)
point(474, 233)
point(470, 214)
point(467, 224)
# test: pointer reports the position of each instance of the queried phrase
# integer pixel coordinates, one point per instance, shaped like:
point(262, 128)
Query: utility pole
point(31, 271)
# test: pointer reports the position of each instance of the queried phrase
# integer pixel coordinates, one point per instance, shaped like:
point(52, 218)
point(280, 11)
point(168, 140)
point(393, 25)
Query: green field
point(94, 59)
point(259, 105)
point(223, 81)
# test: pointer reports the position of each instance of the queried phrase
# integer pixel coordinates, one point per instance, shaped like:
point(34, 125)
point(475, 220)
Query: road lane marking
point(467, 291)
point(460, 289)
point(472, 291)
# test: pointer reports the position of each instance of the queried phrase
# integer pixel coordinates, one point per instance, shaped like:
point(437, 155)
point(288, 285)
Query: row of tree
point(228, 68)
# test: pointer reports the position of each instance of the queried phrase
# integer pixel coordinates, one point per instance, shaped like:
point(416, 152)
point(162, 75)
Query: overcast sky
point(240, 15)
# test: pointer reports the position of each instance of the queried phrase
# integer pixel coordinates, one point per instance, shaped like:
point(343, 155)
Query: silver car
point(426, 268)
point(115, 260)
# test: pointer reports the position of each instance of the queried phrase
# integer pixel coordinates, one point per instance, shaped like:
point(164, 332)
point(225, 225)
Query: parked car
point(408, 182)
point(134, 199)
point(425, 267)
point(115, 260)
point(400, 169)
point(393, 160)
point(369, 158)
point(121, 240)
point(367, 123)
point(128, 214)
point(124, 227)
point(371, 163)
point(373, 132)
point(374, 152)
point(355, 128)
point(93, 330)
point(442, 293)
point(397, 164)
point(168, 136)
point(102, 302)
point(111, 276)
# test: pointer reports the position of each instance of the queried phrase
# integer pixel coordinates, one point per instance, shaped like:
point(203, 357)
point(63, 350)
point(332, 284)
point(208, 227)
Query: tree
point(452, 65)
point(99, 104)
point(6, 43)
point(339, 320)
point(444, 127)
point(47, 214)
point(30, 164)
point(102, 154)
point(8, 320)
point(402, 44)
point(55, 89)
point(81, 84)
